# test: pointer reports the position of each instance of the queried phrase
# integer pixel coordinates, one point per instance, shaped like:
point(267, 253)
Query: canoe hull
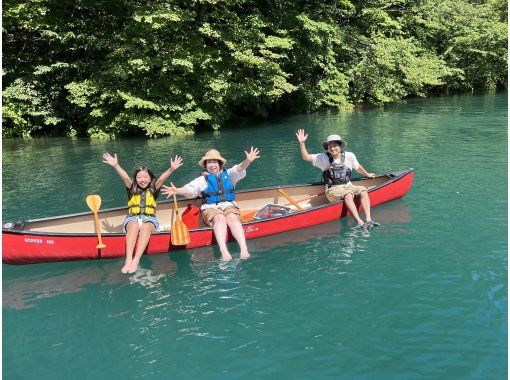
point(24, 247)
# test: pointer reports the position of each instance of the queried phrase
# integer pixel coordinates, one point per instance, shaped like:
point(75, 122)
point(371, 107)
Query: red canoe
point(73, 237)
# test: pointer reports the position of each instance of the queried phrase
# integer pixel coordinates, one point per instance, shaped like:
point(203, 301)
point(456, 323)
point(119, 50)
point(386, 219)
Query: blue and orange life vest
point(219, 188)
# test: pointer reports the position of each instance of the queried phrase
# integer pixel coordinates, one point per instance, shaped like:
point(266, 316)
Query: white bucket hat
point(336, 138)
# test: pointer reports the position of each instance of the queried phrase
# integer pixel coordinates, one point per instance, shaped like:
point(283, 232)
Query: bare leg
point(220, 232)
point(131, 235)
point(236, 228)
point(349, 202)
point(365, 204)
point(143, 239)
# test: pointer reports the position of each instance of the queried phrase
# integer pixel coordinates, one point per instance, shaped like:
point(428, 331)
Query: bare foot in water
point(244, 255)
point(225, 256)
point(125, 268)
point(133, 267)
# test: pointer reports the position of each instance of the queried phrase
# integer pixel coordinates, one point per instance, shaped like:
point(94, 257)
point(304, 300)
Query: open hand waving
point(109, 159)
point(168, 190)
point(254, 154)
point(176, 163)
point(301, 136)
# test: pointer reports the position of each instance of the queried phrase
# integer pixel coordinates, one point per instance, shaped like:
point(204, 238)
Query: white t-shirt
point(195, 187)
point(321, 160)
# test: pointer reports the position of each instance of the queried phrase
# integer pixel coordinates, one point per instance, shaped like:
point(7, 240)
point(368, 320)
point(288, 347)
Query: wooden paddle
point(306, 199)
point(180, 232)
point(247, 215)
point(290, 199)
point(94, 202)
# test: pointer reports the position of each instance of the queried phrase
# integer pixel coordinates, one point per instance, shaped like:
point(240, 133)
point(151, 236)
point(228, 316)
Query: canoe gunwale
point(402, 173)
point(394, 176)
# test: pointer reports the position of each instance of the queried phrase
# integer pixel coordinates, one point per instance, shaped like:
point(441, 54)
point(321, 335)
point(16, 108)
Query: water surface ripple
point(424, 296)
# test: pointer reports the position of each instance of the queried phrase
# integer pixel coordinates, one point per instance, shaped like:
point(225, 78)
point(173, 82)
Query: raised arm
point(175, 164)
point(114, 162)
point(301, 136)
point(171, 190)
point(250, 157)
point(362, 171)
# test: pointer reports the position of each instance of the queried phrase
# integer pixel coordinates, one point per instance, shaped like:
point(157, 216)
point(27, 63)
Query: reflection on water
point(339, 239)
point(145, 277)
point(24, 290)
point(424, 293)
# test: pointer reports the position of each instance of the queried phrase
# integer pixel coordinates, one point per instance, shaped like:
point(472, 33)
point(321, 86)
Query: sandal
point(368, 225)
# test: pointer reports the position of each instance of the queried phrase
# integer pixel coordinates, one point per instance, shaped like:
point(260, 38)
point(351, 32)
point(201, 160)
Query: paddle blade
point(94, 202)
point(180, 233)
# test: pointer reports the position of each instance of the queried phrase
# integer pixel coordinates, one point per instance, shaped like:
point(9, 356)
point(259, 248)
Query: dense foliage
point(106, 68)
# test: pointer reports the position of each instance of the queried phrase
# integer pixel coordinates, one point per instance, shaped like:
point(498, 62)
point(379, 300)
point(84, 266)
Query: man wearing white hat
point(336, 166)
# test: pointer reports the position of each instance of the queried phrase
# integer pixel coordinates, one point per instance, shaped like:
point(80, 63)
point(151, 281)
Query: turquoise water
point(424, 296)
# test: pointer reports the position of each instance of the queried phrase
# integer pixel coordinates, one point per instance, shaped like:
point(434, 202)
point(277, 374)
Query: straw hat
point(212, 154)
point(336, 138)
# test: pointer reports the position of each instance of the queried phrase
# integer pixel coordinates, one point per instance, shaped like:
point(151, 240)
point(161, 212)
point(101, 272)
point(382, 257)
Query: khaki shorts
point(338, 193)
point(209, 213)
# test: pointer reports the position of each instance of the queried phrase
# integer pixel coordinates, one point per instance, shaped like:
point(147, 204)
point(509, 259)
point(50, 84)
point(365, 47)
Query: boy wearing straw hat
point(336, 166)
point(217, 187)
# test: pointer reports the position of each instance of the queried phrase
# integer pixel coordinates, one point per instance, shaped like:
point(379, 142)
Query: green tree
point(113, 68)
